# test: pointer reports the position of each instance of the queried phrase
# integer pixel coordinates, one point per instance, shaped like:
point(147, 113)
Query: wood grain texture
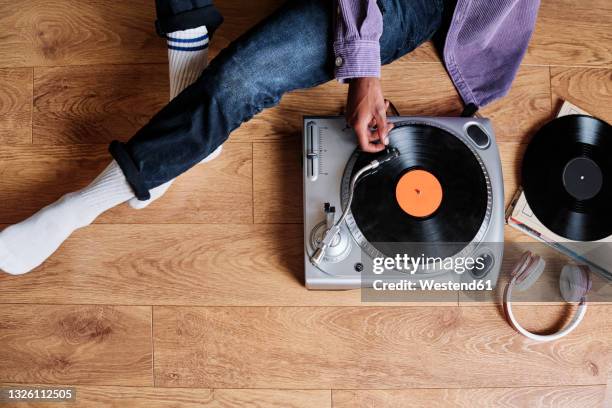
point(96, 104)
point(390, 348)
point(16, 105)
point(34, 176)
point(608, 397)
point(64, 32)
point(216, 265)
point(75, 344)
point(511, 154)
point(572, 33)
point(590, 89)
point(535, 397)
point(525, 109)
point(277, 181)
point(148, 397)
point(174, 264)
point(272, 398)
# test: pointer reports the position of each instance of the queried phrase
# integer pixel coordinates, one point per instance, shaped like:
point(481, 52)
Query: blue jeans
point(291, 49)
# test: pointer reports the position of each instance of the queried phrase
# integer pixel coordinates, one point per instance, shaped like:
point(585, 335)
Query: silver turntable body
point(328, 147)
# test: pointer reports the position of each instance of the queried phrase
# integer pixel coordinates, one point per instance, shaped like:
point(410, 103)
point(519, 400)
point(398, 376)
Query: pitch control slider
point(332, 231)
point(312, 151)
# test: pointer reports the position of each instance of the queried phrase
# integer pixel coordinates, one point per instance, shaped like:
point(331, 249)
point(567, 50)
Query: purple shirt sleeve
point(485, 45)
point(358, 27)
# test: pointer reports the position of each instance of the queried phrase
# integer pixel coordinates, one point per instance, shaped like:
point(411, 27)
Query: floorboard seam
point(152, 349)
point(252, 183)
point(363, 305)
point(32, 111)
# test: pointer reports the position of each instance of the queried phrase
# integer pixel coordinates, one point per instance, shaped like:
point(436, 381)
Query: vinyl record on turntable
point(567, 177)
point(434, 192)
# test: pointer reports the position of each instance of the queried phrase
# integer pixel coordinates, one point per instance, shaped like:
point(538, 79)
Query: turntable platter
point(435, 193)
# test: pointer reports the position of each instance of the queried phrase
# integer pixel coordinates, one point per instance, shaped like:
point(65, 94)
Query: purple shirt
point(484, 46)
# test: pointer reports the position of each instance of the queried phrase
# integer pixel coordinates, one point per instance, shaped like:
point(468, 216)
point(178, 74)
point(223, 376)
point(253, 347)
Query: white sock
point(26, 245)
point(187, 57)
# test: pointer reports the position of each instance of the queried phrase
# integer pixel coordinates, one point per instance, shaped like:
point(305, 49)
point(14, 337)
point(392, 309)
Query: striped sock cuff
point(194, 39)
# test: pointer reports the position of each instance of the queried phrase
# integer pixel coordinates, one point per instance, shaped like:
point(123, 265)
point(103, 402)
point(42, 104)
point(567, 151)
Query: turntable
point(437, 191)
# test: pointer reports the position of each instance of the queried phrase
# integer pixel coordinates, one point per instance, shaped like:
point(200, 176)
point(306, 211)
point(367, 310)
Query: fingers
point(374, 131)
point(390, 125)
point(383, 127)
point(367, 138)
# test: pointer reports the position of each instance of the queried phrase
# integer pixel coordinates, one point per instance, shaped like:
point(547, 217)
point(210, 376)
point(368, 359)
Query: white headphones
point(574, 283)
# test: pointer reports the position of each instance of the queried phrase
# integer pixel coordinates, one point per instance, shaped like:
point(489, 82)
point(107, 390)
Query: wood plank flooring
point(199, 299)
point(16, 105)
point(149, 397)
point(568, 397)
point(96, 104)
point(76, 344)
point(390, 347)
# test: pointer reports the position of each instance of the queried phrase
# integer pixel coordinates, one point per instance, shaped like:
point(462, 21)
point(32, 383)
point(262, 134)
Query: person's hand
point(366, 108)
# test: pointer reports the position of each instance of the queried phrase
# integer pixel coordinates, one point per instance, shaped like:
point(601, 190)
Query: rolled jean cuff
point(130, 171)
point(208, 16)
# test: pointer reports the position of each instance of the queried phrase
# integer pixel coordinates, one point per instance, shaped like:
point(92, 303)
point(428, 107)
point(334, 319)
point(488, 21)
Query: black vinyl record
point(460, 213)
point(567, 177)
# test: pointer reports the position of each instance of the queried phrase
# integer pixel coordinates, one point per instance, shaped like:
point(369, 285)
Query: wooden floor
point(199, 300)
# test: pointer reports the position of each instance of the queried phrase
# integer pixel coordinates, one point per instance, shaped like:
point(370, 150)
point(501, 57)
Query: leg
point(187, 26)
point(252, 73)
point(25, 245)
point(289, 50)
point(187, 58)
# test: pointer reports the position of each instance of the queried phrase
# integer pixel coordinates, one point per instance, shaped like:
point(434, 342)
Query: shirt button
point(339, 61)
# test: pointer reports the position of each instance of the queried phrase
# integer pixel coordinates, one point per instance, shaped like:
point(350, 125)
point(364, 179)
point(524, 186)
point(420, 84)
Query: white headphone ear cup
point(532, 274)
point(574, 282)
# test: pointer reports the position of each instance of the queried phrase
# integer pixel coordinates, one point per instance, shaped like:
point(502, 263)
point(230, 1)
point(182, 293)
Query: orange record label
point(418, 193)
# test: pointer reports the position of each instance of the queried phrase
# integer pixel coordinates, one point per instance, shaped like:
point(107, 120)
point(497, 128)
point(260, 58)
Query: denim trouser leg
point(291, 49)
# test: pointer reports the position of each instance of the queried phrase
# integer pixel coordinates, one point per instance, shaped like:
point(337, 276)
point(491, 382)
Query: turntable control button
point(478, 136)
point(487, 261)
